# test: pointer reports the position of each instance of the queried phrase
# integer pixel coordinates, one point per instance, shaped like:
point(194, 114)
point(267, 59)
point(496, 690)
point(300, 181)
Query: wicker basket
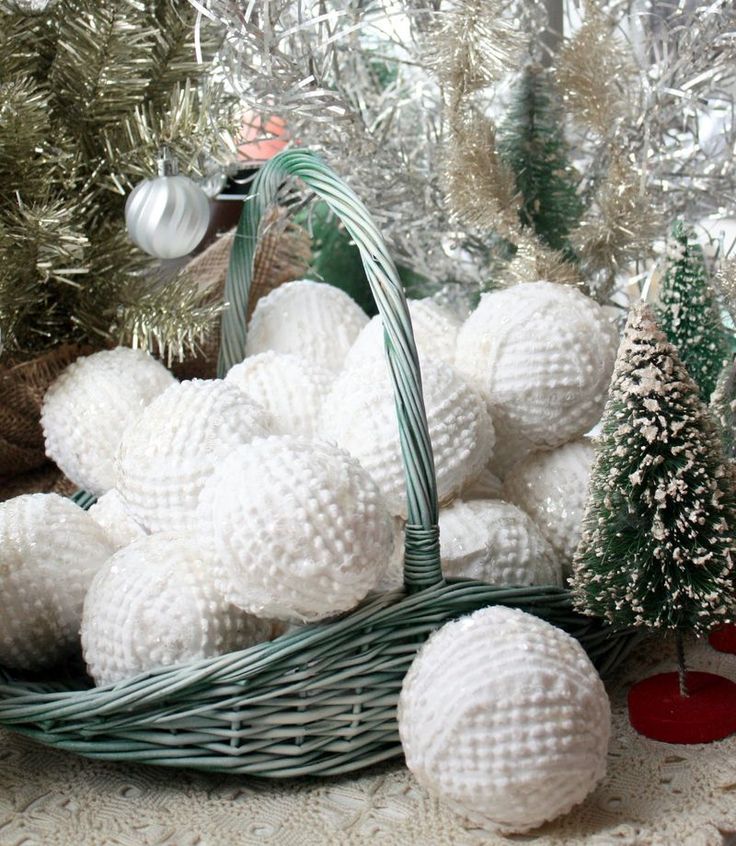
point(319, 700)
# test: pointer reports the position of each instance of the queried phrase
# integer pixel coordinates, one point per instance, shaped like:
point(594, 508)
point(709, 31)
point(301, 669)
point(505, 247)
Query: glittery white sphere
point(359, 414)
point(542, 354)
point(497, 543)
point(167, 455)
point(51, 550)
point(89, 406)
point(291, 388)
point(552, 487)
point(504, 717)
point(167, 216)
point(316, 321)
point(111, 512)
point(299, 528)
point(435, 334)
point(155, 604)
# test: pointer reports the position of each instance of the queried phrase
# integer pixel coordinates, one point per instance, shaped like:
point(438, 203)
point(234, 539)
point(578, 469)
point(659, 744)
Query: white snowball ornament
point(167, 455)
point(51, 550)
point(504, 718)
point(435, 334)
point(359, 414)
point(88, 407)
point(111, 512)
point(497, 543)
point(552, 487)
point(312, 319)
point(154, 605)
point(542, 354)
point(299, 528)
point(167, 216)
point(291, 388)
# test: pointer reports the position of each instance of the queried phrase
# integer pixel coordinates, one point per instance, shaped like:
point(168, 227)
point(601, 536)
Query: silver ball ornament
point(167, 216)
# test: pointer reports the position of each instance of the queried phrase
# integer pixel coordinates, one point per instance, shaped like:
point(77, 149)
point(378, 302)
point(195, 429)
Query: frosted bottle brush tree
point(89, 91)
point(688, 312)
point(659, 530)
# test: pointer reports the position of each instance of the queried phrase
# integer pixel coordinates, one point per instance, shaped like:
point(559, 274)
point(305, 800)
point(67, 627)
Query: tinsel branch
point(595, 72)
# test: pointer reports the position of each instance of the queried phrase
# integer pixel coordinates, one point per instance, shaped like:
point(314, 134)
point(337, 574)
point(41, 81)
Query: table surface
point(654, 793)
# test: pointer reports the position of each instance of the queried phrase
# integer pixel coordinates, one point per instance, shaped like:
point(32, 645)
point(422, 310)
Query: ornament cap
point(168, 164)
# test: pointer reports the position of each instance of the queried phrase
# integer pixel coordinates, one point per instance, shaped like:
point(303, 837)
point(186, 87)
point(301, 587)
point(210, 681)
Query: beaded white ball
point(167, 216)
point(542, 354)
point(552, 487)
point(299, 527)
point(359, 414)
point(290, 387)
point(155, 604)
point(497, 543)
point(504, 718)
point(167, 455)
point(312, 319)
point(88, 407)
point(51, 550)
point(435, 334)
point(111, 512)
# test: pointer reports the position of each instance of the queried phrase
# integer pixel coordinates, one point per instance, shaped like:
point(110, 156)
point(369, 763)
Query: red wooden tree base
point(723, 639)
point(657, 710)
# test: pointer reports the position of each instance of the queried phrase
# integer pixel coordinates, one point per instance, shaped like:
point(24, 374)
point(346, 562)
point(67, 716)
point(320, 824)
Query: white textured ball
point(290, 387)
point(89, 406)
point(169, 452)
point(542, 354)
point(299, 527)
point(316, 321)
point(155, 604)
point(497, 543)
point(51, 550)
point(504, 717)
point(552, 487)
point(167, 216)
point(435, 334)
point(111, 512)
point(359, 414)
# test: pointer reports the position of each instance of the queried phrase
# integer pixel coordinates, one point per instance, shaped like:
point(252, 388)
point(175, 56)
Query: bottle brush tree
point(531, 142)
point(659, 531)
point(687, 310)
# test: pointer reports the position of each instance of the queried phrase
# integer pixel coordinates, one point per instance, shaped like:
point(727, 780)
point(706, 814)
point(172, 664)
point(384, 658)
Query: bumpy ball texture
point(542, 354)
point(310, 319)
point(111, 512)
point(290, 387)
point(497, 543)
point(435, 334)
point(359, 414)
point(154, 604)
point(87, 409)
point(552, 487)
point(504, 717)
point(170, 451)
point(167, 216)
point(299, 528)
point(51, 550)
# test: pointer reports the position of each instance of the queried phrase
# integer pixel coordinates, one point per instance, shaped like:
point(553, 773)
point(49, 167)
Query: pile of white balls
point(277, 495)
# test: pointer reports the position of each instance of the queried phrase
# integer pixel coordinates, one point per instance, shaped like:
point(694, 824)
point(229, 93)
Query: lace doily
point(654, 794)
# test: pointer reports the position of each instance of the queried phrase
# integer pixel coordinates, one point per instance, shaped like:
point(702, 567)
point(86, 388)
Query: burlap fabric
point(284, 252)
point(22, 386)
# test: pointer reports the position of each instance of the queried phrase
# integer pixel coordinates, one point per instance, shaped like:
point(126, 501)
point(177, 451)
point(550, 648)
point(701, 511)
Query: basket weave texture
point(322, 699)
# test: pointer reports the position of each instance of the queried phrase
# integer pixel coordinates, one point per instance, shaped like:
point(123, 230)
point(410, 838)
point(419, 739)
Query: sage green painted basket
point(320, 700)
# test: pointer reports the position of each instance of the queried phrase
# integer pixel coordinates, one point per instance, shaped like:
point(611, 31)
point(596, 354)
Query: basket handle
point(422, 552)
